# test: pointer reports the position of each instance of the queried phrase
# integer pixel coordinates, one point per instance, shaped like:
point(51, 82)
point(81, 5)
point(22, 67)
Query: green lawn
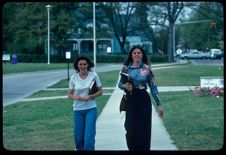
point(187, 75)
point(41, 125)
point(194, 123)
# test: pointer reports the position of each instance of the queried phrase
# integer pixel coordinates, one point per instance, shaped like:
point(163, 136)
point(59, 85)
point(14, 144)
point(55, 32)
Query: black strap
point(127, 69)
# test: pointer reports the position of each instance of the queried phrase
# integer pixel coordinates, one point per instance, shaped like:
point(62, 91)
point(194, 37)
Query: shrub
point(204, 91)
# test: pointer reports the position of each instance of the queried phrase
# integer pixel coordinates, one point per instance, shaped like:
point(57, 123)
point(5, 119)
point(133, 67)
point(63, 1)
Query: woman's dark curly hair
point(129, 59)
point(89, 62)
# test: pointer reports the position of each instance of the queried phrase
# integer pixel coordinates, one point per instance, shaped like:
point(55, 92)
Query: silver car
point(193, 55)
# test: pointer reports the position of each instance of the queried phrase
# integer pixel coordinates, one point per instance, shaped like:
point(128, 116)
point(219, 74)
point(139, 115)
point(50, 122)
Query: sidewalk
point(110, 132)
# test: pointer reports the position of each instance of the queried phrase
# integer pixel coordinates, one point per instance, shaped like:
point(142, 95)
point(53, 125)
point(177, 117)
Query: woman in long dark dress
point(138, 104)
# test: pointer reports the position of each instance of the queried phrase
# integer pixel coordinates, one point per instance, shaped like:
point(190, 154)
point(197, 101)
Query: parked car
point(193, 55)
point(213, 53)
point(220, 56)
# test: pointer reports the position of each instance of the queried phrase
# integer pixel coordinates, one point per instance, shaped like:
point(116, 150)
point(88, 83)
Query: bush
point(204, 91)
point(35, 58)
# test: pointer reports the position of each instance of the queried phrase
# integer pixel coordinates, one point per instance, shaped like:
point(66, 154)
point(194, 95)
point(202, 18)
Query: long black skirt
point(138, 120)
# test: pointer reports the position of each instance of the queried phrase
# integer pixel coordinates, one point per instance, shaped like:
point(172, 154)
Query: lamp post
point(48, 9)
point(94, 35)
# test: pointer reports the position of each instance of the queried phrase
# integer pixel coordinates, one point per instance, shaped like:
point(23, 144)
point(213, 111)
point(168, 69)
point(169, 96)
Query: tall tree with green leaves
point(63, 23)
point(23, 27)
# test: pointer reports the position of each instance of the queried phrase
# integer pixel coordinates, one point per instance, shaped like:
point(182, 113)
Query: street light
point(48, 9)
point(94, 35)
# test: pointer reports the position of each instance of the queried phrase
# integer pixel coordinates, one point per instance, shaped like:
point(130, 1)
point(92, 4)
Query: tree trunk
point(122, 47)
point(170, 43)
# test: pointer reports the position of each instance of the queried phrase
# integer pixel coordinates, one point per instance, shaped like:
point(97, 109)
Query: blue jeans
point(85, 129)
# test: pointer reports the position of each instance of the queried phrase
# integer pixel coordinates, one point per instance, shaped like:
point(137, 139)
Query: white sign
point(212, 82)
point(68, 55)
point(109, 50)
point(6, 57)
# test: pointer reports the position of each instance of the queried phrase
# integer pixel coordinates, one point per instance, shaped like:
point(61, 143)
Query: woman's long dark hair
point(89, 62)
point(129, 59)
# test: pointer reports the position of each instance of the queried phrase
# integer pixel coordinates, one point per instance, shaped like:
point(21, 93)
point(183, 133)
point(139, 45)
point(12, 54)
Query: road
point(19, 86)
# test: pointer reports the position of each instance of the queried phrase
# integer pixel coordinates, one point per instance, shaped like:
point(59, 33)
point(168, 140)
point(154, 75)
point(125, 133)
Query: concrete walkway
point(110, 132)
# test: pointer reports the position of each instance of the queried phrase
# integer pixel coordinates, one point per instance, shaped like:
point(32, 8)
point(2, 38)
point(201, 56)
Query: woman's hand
point(128, 86)
point(80, 98)
point(86, 98)
point(160, 111)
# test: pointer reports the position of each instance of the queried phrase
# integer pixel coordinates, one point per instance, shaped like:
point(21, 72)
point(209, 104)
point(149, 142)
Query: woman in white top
point(84, 104)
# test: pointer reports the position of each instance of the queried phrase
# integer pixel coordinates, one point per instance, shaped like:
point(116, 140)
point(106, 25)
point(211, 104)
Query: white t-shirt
point(80, 87)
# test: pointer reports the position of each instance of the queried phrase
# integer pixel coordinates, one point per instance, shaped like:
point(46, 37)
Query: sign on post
point(212, 82)
point(108, 49)
point(68, 55)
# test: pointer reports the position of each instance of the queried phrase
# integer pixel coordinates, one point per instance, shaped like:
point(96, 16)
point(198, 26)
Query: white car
point(213, 53)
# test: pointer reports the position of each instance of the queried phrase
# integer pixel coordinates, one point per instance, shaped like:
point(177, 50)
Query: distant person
point(179, 52)
point(138, 105)
point(85, 111)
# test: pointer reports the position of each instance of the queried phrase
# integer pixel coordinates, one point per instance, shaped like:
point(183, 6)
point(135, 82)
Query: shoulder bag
point(122, 106)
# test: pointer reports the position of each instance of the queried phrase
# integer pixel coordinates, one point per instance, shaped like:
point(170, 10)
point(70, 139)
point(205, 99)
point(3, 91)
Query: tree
point(159, 13)
point(25, 25)
point(7, 36)
point(141, 25)
point(173, 10)
point(119, 15)
point(157, 17)
point(63, 23)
